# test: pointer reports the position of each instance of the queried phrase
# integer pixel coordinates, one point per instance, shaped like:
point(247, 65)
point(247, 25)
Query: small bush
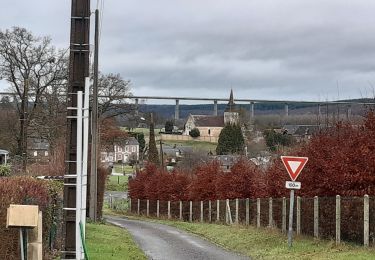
point(5, 170)
point(194, 133)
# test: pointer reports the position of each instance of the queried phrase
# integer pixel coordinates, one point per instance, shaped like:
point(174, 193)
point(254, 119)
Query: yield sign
point(294, 165)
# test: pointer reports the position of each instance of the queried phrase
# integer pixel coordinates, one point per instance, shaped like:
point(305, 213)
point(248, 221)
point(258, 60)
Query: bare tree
point(31, 65)
point(112, 91)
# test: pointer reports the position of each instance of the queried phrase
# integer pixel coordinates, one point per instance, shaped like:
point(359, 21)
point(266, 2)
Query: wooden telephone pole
point(78, 70)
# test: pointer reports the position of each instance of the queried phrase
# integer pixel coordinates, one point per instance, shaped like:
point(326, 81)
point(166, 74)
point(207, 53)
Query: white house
point(125, 153)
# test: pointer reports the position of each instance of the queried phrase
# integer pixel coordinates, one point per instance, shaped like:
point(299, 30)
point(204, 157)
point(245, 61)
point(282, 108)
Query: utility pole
point(94, 132)
point(78, 71)
point(161, 154)
point(24, 124)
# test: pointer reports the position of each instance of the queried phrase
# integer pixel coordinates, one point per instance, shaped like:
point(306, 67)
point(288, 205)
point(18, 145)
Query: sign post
point(294, 166)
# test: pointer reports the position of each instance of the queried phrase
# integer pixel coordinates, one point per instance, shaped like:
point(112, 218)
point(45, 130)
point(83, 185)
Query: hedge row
point(26, 190)
point(341, 162)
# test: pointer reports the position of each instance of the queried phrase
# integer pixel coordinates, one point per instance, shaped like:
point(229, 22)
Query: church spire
point(231, 104)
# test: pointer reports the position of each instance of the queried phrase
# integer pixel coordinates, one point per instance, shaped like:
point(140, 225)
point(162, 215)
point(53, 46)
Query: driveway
point(162, 242)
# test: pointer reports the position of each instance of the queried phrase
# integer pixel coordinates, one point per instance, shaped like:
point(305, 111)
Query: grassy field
point(197, 145)
point(110, 242)
point(270, 244)
point(117, 183)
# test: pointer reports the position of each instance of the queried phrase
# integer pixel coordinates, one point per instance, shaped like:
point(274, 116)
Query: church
point(211, 126)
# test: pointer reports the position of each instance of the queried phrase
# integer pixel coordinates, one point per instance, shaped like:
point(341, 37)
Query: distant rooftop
point(209, 121)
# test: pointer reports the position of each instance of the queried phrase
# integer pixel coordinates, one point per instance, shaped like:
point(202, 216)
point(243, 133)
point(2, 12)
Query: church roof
point(210, 121)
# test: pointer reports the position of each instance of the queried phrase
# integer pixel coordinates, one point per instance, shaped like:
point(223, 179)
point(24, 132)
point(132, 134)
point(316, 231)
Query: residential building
point(127, 152)
point(4, 156)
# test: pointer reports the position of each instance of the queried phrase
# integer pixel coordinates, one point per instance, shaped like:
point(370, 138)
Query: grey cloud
point(263, 49)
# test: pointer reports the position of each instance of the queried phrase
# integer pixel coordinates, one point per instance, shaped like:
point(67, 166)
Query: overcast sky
point(294, 50)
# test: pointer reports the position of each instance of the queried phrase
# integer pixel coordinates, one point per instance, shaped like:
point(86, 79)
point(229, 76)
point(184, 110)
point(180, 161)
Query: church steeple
point(231, 115)
point(231, 105)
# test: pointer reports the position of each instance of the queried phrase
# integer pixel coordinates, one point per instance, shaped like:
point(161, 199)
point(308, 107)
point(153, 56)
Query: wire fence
point(350, 219)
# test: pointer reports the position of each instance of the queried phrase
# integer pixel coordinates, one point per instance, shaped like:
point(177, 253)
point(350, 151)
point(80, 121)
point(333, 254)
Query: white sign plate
point(294, 185)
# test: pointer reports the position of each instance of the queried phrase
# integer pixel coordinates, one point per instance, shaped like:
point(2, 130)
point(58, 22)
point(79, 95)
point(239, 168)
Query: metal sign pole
point(291, 207)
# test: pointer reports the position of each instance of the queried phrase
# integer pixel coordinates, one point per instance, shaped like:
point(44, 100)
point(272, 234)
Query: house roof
point(131, 141)
point(205, 120)
point(231, 106)
point(301, 129)
point(36, 143)
point(4, 152)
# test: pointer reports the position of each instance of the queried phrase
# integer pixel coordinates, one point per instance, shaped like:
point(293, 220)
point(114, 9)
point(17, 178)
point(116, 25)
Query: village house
point(301, 132)
point(38, 149)
point(4, 156)
point(125, 153)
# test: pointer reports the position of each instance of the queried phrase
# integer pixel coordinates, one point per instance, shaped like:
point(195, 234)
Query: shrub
point(194, 133)
point(5, 170)
point(169, 126)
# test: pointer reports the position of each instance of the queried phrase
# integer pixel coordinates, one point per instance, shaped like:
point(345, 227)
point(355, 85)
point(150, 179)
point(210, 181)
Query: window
point(134, 149)
point(119, 149)
point(45, 153)
point(127, 149)
point(35, 153)
point(209, 131)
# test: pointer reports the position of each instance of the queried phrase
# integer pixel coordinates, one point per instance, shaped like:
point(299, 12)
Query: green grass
point(118, 168)
point(269, 244)
point(117, 183)
point(110, 242)
point(197, 145)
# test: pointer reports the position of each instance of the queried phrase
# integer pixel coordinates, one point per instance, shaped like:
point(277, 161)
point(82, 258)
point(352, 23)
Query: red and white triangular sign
point(294, 165)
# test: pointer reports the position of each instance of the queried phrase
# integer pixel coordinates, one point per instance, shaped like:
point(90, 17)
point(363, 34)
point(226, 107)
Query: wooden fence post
point(316, 217)
point(338, 219)
point(366, 220)
point(270, 213)
point(147, 207)
point(258, 212)
point(283, 224)
point(217, 210)
point(202, 211)
point(181, 217)
point(130, 205)
point(209, 211)
point(169, 209)
point(139, 206)
point(236, 215)
point(110, 201)
point(157, 208)
point(247, 221)
point(191, 212)
point(226, 211)
point(298, 224)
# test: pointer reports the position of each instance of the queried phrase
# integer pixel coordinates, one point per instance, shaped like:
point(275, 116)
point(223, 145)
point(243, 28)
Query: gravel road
point(162, 242)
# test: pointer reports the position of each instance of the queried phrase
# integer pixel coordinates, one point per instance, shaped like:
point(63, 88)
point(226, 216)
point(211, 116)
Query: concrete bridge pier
point(251, 112)
point(319, 114)
point(136, 106)
point(286, 109)
point(215, 107)
point(348, 112)
point(177, 110)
